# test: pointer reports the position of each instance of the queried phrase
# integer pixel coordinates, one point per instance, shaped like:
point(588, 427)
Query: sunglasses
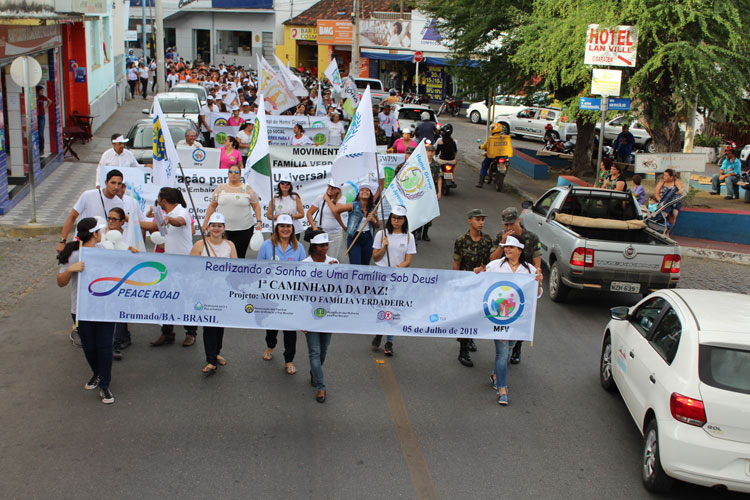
point(234, 171)
point(113, 219)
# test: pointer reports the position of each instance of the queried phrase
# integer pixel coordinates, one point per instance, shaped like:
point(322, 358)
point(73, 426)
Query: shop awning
point(408, 56)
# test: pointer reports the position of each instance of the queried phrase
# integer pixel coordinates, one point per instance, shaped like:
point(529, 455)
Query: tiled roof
point(339, 9)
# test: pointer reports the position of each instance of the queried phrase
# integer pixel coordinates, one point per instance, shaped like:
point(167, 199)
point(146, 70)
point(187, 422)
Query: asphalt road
point(418, 425)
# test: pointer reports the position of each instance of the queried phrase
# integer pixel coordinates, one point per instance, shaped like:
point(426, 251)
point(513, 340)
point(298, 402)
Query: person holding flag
point(333, 75)
point(357, 156)
point(166, 159)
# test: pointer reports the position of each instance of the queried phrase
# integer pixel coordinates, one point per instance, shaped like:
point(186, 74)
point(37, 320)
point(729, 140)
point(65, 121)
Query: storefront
point(299, 48)
point(43, 43)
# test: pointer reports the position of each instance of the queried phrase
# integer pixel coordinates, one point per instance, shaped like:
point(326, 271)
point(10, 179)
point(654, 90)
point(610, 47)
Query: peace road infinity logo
point(161, 268)
point(503, 303)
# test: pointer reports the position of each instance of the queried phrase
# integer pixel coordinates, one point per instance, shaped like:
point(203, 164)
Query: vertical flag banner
point(265, 73)
point(278, 97)
point(259, 157)
point(357, 154)
point(332, 73)
point(133, 237)
point(166, 159)
point(351, 96)
point(293, 81)
point(320, 107)
point(413, 188)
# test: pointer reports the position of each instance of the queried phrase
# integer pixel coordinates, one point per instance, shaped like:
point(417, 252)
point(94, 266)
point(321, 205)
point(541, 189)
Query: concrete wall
point(101, 71)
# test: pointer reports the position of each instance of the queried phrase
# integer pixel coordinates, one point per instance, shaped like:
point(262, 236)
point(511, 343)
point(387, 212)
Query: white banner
point(425, 34)
point(199, 157)
point(646, 163)
point(283, 136)
point(240, 293)
point(415, 190)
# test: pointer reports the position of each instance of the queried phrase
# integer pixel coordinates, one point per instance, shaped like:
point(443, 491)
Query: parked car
point(531, 122)
point(178, 105)
point(478, 112)
point(745, 156)
point(596, 239)
point(613, 127)
point(409, 115)
point(377, 91)
point(681, 361)
point(192, 88)
point(141, 136)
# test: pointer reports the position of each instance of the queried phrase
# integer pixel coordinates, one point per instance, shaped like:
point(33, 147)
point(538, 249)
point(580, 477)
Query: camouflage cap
point(510, 215)
point(475, 212)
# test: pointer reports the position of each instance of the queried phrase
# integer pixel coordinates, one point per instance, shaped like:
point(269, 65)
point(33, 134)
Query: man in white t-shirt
point(189, 140)
point(205, 117)
point(117, 157)
point(245, 112)
point(92, 203)
point(388, 124)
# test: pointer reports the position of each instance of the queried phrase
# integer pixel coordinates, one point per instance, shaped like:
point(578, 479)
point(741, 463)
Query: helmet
point(548, 127)
point(446, 129)
point(393, 92)
point(425, 115)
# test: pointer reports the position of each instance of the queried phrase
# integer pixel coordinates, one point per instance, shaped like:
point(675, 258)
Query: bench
point(529, 165)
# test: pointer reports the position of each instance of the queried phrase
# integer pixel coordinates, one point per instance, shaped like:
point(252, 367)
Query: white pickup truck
point(596, 239)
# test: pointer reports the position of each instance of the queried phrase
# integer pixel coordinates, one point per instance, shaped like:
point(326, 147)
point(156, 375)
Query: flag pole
point(272, 206)
point(363, 228)
point(192, 204)
point(382, 208)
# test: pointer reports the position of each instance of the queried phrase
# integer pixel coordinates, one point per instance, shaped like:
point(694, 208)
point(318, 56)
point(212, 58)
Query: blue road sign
point(618, 104)
point(590, 103)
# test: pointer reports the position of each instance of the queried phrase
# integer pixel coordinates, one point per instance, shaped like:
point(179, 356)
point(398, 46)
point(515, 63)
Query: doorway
point(203, 45)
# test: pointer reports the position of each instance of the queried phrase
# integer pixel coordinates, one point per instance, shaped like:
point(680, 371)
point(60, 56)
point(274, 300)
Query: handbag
point(310, 233)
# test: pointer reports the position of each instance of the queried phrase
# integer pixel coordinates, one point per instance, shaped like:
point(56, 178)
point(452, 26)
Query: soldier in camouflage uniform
point(470, 251)
point(380, 137)
point(532, 252)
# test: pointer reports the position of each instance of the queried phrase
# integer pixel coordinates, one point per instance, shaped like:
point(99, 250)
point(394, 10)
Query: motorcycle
point(451, 104)
point(496, 172)
point(559, 146)
point(447, 171)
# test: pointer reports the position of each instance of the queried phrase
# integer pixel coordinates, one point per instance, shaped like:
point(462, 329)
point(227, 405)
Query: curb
point(28, 230)
point(509, 184)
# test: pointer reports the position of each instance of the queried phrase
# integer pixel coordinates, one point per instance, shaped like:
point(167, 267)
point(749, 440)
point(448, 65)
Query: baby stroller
point(658, 220)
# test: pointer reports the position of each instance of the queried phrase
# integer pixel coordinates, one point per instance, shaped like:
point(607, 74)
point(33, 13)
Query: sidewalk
point(532, 189)
point(57, 194)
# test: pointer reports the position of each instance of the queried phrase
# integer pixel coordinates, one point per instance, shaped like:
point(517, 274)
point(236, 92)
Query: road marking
point(415, 461)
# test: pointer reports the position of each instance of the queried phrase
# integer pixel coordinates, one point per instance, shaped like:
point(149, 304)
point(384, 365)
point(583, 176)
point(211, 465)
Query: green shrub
point(707, 141)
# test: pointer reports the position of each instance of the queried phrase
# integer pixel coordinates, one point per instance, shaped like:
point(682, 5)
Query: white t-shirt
point(143, 73)
point(90, 204)
point(132, 74)
point(248, 117)
point(183, 143)
point(111, 160)
point(179, 239)
point(399, 244)
point(336, 129)
point(205, 112)
point(287, 205)
point(329, 259)
point(242, 137)
point(501, 265)
point(302, 141)
point(329, 224)
point(172, 79)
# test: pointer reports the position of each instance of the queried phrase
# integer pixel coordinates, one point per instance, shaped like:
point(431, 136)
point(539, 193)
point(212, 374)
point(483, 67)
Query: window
point(666, 336)
point(268, 50)
point(725, 368)
point(527, 113)
point(95, 48)
point(106, 46)
point(235, 42)
point(414, 114)
point(601, 205)
point(647, 314)
point(542, 206)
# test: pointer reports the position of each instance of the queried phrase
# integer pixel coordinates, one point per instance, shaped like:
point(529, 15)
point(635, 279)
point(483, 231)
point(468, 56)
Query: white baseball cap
point(512, 241)
point(235, 108)
point(369, 185)
point(217, 218)
point(333, 184)
point(284, 219)
point(320, 239)
point(120, 138)
point(407, 131)
point(245, 103)
point(399, 211)
point(285, 178)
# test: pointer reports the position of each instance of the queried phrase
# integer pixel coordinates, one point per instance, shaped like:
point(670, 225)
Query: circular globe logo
point(199, 155)
point(319, 139)
point(411, 181)
point(319, 312)
point(249, 308)
point(503, 303)
point(198, 306)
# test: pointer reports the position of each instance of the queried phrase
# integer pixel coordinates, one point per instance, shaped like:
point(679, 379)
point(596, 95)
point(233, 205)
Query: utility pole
point(143, 27)
point(605, 102)
point(354, 67)
point(160, 76)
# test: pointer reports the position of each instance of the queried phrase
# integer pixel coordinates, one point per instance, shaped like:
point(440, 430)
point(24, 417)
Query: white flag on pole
point(166, 159)
point(265, 73)
point(259, 157)
point(292, 81)
point(332, 73)
point(357, 153)
point(413, 188)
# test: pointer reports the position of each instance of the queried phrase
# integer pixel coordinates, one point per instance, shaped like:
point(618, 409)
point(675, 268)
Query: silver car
point(613, 127)
point(141, 136)
point(178, 105)
point(192, 88)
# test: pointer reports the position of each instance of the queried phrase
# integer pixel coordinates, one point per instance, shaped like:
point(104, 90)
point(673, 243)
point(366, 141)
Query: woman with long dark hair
point(324, 214)
point(96, 336)
point(362, 217)
point(287, 202)
point(283, 245)
point(512, 262)
point(230, 154)
point(393, 247)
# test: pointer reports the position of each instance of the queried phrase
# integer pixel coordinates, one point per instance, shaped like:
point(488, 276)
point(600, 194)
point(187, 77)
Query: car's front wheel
point(653, 476)
point(649, 147)
point(475, 117)
point(605, 366)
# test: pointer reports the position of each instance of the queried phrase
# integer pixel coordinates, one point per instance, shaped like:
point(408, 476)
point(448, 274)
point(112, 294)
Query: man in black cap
point(532, 251)
point(471, 250)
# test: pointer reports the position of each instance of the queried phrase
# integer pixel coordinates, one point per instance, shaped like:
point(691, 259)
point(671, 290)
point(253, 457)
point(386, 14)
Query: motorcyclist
point(496, 129)
point(446, 148)
point(549, 135)
point(426, 128)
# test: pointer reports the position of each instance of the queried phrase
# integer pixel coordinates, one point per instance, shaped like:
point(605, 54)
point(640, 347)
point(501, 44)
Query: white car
point(504, 104)
point(745, 156)
point(681, 361)
point(192, 88)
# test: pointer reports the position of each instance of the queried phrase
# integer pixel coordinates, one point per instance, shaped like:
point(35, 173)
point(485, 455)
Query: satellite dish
point(18, 73)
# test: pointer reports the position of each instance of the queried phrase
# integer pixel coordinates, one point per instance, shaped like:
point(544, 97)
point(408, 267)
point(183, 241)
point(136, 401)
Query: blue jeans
point(317, 347)
point(96, 341)
point(121, 334)
point(730, 181)
point(41, 120)
point(485, 166)
point(502, 355)
point(361, 252)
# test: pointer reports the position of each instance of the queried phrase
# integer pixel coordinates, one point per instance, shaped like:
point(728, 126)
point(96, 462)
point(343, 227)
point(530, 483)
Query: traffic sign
point(613, 103)
point(418, 56)
point(590, 103)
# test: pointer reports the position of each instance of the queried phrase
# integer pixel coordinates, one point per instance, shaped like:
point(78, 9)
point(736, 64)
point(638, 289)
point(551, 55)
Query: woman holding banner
point(393, 247)
point(96, 336)
point(362, 223)
point(283, 245)
point(287, 202)
point(323, 215)
point(213, 336)
point(244, 137)
point(234, 200)
point(513, 262)
point(299, 138)
point(318, 342)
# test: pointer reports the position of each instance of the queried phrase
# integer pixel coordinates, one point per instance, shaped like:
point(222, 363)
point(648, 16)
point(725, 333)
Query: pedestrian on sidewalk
point(532, 252)
point(394, 246)
point(471, 250)
point(152, 73)
point(283, 246)
point(117, 157)
point(318, 342)
point(512, 262)
point(133, 78)
point(96, 336)
point(42, 103)
point(143, 77)
point(218, 246)
point(178, 241)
